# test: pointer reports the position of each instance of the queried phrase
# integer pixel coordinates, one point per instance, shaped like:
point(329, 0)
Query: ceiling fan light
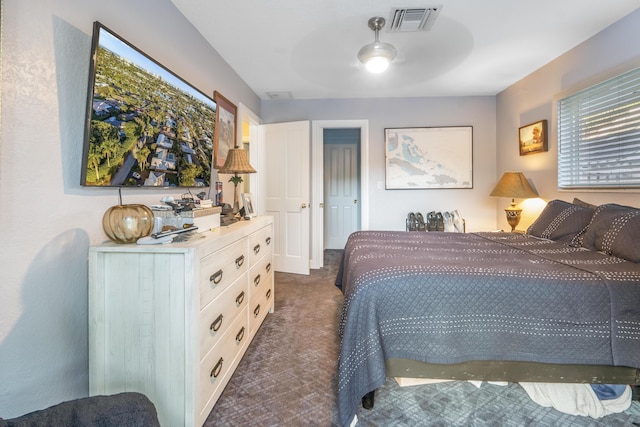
point(377, 56)
point(377, 65)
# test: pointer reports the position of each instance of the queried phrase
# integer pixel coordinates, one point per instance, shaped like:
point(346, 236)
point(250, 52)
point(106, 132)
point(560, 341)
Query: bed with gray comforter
point(560, 294)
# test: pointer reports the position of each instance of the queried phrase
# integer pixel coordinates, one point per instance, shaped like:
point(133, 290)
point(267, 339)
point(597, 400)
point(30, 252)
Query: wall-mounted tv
point(145, 126)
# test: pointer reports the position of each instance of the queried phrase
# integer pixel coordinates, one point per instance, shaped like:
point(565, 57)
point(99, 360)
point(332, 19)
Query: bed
point(560, 303)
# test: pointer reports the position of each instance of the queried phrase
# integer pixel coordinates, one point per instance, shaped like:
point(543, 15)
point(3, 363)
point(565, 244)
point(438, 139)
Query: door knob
point(321, 205)
point(355, 201)
point(304, 205)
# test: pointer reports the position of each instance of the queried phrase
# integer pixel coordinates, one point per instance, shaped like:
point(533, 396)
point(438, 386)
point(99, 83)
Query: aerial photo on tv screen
point(147, 126)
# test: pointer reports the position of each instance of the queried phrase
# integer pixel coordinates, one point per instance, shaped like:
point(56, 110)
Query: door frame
point(256, 156)
point(317, 181)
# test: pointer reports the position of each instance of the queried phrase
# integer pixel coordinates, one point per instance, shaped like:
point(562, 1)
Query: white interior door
point(287, 193)
point(341, 194)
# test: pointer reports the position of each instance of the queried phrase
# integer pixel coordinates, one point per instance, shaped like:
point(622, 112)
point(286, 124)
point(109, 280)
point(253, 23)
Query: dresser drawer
point(221, 268)
point(259, 243)
point(261, 302)
point(260, 271)
point(219, 314)
point(218, 365)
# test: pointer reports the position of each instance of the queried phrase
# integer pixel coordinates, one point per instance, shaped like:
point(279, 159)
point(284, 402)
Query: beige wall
point(533, 98)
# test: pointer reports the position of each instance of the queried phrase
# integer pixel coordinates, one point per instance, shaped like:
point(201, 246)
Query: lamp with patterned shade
point(514, 184)
point(236, 163)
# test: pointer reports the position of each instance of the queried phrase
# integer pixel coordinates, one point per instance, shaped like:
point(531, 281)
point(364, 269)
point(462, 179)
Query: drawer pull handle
point(256, 311)
point(216, 369)
point(240, 298)
point(268, 294)
point(215, 326)
point(256, 249)
point(256, 281)
point(216, 277)
point(268, 267)
point(240, 335)
point(240, 261)
point(268, 240)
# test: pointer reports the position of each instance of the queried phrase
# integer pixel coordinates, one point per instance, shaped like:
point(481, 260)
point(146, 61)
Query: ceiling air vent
point(413, 18)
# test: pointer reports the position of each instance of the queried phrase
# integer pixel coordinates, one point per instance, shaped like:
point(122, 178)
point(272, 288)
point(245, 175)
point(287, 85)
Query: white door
point(287, 193)
point(341, 193)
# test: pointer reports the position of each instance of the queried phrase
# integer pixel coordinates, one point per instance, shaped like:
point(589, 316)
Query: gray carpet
point(288, 376)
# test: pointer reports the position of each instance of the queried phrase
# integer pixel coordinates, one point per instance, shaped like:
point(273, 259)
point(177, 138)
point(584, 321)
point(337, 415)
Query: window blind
point(599, 135)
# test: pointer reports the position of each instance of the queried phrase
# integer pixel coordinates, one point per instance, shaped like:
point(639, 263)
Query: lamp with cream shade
point(514, 185)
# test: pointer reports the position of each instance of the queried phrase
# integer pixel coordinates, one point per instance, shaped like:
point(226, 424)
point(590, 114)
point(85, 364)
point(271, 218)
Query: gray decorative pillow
point(615, 230)
point(560, 220)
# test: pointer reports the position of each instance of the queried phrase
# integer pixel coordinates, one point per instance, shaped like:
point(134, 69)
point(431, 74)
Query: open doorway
point(317, 179)
point(341, 185)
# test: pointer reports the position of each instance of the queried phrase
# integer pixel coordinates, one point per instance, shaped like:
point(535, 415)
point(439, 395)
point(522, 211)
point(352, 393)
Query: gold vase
point(127, 223)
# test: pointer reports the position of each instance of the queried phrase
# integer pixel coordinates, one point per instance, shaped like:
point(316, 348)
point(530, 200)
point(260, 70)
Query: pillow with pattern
point(584, 204)
point(560, 220)
point(614, 230)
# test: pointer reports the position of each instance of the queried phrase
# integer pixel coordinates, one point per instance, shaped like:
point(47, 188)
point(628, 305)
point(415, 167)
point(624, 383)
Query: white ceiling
point(309, 47)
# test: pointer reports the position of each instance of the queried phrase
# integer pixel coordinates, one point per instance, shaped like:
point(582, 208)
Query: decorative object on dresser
point(173, 321)
point(248, 205)
point(127, 223)
point(236, 163)
point(513, 184)
point(533, 138)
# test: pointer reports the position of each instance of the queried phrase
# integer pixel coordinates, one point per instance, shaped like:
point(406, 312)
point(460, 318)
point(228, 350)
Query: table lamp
point(514, 184)
point(236, 163)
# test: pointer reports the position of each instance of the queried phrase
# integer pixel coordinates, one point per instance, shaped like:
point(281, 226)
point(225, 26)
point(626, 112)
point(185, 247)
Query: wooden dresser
point(173, 321)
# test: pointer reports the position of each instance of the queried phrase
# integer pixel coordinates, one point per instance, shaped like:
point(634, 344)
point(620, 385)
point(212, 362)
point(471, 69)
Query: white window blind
point(599, 135)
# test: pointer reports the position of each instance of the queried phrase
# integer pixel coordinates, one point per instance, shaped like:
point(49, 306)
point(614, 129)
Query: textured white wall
point(532, 99)
point(389, 208)
point(47, 221)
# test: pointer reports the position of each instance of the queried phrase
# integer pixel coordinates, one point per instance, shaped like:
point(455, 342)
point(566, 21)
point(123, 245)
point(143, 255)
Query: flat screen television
point(145, 126)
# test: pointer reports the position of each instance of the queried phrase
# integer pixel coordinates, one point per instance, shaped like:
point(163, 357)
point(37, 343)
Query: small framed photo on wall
point(533, 138)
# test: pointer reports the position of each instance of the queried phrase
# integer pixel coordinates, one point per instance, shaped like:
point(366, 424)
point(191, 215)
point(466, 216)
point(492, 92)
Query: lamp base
point(513, 216)
point(236, 203)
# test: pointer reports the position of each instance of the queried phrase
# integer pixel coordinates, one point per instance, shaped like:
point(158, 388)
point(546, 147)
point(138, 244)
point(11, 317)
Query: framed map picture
point(429, 157)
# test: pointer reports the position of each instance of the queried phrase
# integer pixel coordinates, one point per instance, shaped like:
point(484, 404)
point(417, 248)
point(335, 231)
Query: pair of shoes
point(435, 221)
point(412, 222)
point(421, 225)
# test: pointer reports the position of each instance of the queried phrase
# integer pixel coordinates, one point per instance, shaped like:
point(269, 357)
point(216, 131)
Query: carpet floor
point(288, 376)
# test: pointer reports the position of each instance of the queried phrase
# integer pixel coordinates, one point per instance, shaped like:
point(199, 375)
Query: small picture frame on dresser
point(249, 206)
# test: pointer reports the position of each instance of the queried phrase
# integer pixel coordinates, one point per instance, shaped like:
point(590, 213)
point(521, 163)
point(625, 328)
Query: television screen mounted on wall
point(145, 126)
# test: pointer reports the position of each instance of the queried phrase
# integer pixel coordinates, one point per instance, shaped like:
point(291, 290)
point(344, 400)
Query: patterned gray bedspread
point(453, 297)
